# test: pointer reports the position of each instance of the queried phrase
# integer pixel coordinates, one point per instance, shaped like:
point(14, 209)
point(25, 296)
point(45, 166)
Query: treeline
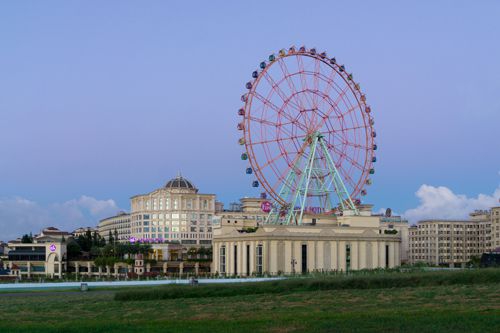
point(94, 246)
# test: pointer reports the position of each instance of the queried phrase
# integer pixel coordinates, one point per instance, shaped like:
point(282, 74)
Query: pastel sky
point(102, 100)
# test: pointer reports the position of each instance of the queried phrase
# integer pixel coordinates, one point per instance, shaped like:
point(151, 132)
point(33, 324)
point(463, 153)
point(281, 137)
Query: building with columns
point(322, 243)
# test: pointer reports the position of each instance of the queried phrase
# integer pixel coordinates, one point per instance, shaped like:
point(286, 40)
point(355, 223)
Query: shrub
point(375, 281)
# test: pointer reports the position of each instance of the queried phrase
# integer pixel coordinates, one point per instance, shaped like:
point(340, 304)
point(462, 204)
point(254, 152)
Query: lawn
point(444, 308)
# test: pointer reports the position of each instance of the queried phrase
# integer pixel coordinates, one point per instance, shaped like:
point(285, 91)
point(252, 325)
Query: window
point(258, 257)
point(235, 256)
point(387, 256)
point(222, 259)
point(176, 204)
point(248, 259)
point(348, 257)
point(304, 258)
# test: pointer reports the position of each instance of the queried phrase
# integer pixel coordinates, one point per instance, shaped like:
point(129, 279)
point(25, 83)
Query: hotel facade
point(451, 242)
point(173, 213)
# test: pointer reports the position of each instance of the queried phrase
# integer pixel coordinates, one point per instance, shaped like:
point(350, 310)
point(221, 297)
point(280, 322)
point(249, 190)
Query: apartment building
point(450, 242)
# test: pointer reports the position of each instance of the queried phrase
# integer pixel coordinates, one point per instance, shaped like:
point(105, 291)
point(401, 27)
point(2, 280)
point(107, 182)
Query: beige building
point(116, 225)
point(400, 226)
point(40, 258)
point(82, 231)
point(450, 242)
point(174, 213)
point(495, 228)
point(248, 214)
point(322, 243)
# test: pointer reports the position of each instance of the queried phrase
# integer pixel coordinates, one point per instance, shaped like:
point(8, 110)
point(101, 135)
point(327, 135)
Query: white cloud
point(19, 215)
point(441, 202)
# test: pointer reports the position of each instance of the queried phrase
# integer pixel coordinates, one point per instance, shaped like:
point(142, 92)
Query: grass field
point(442, 308)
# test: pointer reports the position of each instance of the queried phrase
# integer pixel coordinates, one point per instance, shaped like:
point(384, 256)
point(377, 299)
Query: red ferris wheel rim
point(352, 151)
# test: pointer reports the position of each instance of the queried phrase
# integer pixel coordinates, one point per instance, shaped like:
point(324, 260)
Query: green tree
point(110, 238)
point(74, 250)
point(27, 238)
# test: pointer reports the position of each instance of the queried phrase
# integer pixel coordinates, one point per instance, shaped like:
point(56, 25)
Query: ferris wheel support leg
point(291, 211)
point(274, 214)
point(340, 188)
point(308, 179)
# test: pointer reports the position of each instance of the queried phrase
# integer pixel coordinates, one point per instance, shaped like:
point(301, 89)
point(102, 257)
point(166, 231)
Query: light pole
point(293, 262)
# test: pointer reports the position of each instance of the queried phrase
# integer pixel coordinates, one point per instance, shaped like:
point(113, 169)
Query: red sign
point(265, 206)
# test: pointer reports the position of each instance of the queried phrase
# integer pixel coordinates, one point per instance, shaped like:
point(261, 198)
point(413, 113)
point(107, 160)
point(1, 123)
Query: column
point(60, 269)
point(362, 255)
point(374, 254)
point(165, 266)
point(341, 256)
point(397, 254)
point(288, 256)
point(196, 268)
point(320, 255)
point(267, 253)
point(273, 258)
point(391, 255)
point(311, 256)
point(181, 268)
point(354, 255)
point(28, 267)
point(89, 268)
point(298, 257)
point(77, 268)
point(215, 266)
point(252, 257)
point(334, 255)
point(381, 254)
point(229, 257)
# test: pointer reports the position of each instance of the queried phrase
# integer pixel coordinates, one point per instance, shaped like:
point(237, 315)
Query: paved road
point(53, 293)
point(36, 288)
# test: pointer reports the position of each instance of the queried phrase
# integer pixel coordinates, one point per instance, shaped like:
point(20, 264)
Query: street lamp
point(293, 262)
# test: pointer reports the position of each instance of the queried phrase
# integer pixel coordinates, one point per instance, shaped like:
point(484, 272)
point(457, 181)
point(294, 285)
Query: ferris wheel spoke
point(271, 140)
point(277, 109)
point(330, 80)
point(269, 162)
point(291, 84)
point(316, 74)
point(262, 121)
point(303, 78)
point(275, 87)
point(335, 106)
point(345, 156)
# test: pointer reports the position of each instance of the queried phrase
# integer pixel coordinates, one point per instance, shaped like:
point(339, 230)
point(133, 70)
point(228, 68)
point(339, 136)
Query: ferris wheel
point(308, 135)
